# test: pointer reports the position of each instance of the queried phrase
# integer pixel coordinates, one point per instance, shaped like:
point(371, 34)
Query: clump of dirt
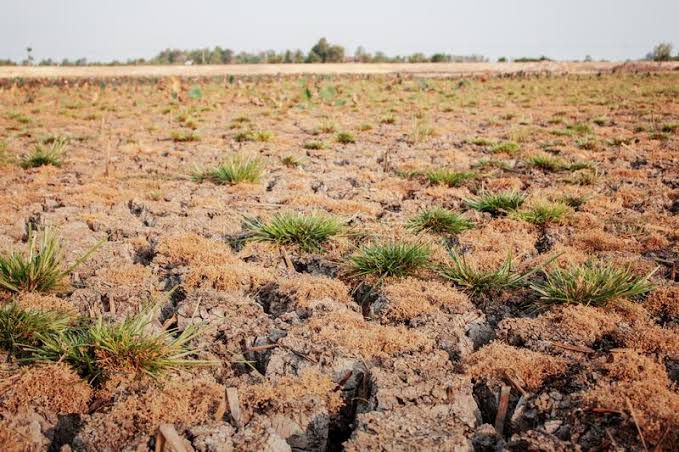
point(639, 387)
point(140, 407)
point(47, 389)
point(349, 334)
point(496, 362)
point(410, 298)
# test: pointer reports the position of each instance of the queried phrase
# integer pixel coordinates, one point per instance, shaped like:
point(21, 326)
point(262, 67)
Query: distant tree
point(324, 52)
point(440, 58)
point(661, 52)
point(418, 58)
point(380, 57)
point(502, 60)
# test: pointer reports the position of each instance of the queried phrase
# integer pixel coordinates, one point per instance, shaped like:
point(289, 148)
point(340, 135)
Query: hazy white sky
point(121, 29)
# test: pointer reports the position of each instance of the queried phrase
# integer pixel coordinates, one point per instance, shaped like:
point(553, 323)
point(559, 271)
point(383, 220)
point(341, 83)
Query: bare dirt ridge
point(420, 69)
point(305, 353)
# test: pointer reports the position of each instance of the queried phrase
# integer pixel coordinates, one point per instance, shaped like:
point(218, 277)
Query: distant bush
point(531, 59)
point(661, 52)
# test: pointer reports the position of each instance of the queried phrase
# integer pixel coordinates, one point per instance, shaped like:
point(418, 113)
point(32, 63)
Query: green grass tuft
point(448, 177)
point(389, 259)
point(309, 232)
point(345, 138)
point(439, 220)
point(45, 155)
point(184, 136)
point(508, 147)
point(41, 268)
point(233, 170)
point(590, 284)
point(546, 163)
point(497, 203)
point(22, 328)
point(544, 213)
point(314, 145)
point(505, 277)
point(101, 349)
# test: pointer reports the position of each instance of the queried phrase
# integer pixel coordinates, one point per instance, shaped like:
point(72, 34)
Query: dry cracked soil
point(299, 351)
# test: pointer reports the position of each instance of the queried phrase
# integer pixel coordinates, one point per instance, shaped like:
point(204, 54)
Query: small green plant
point(464, 275)
point(44, 155)
point(314, 145)
point(601, 121)
point(581, 164)
point(101, 349)
point(580, 128)
point(587, 143)
point(546, 163)
point(422, 131)
point(388, 119)
point(669, 127)
point(184, 136)
point(41, 268)
point(448, 177)
point(19, 117)
point(388, 259)
point(478, 141)
point(574, 201)
point(439, 220)
point(327, 127)
point(491, 163)
point(345, 138)
point(291, 161)
point(590, 284)
point(584, 177)
point(5, 157)
point(309, 232)
point(507, 147)
point(232, 170)
point(22, 328)
point(496, 203)
point(263, 136)
point(544, 213)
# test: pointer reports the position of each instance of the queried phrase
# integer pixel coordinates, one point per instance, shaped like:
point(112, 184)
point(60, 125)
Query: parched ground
point(420, 69)
point(319, 359)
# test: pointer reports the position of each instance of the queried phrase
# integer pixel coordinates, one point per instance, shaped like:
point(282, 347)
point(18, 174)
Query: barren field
point(339, 262)
point(420, 69)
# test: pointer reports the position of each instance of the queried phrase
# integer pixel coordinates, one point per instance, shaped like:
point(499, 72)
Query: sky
point(104, 30)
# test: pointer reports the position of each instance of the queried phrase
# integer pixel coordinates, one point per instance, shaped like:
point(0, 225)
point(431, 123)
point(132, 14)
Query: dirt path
point(423, 69)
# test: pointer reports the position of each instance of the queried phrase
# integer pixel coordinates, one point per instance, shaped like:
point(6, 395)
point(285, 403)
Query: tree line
point(322, 52)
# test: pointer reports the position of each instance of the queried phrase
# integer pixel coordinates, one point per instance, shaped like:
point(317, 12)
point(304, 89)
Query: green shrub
point(45, 155)
point(590, 284)
point(233, 170)
point(508, 147)
point(22, 328)
point(315, 145)
point(462, 274)
point(439, 220)
point(345, 138)
point(41, 268)
point(543, 213)
point(309, 232)
point(184, 136)
point(496, 203)
point(448, 177)
point(546, 163)
point(101, 349)
point(389, 259)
